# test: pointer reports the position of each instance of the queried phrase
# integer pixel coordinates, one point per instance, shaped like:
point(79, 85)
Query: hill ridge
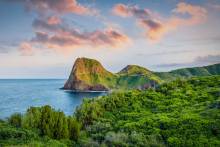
point(90, 75)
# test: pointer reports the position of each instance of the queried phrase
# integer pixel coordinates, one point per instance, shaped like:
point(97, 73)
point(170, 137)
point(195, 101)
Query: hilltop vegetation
point(190, 72)
point(179, 113)
point(89, 75)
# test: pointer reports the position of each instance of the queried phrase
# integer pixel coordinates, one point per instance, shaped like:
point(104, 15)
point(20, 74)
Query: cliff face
point(89, 75)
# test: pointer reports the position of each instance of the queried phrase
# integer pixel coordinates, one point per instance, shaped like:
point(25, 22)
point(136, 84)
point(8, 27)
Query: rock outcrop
point(89, 75)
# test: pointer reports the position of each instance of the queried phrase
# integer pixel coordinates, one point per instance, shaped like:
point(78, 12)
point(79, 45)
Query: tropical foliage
point(179, 113)
point(39, 122)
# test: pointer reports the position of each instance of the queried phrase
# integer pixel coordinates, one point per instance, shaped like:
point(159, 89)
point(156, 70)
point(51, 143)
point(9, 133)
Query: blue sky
point(41, 39)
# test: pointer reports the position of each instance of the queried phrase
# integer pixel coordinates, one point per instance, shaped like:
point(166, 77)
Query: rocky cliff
point(89, 75)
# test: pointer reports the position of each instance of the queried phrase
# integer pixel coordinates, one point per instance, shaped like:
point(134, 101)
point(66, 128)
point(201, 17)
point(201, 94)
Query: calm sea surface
point(18, 95)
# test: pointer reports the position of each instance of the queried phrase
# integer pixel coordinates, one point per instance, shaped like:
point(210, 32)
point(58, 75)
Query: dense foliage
point(16, 136)
point(179, 113)
point(39, 121)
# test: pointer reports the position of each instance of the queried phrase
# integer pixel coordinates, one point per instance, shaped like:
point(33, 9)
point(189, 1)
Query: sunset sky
point(42, 38)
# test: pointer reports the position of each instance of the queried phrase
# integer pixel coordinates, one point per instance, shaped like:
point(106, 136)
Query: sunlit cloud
point(53, 20)
point(57, 6)
point(154, 29)
point(197, 14)
point(154, 26)
point(127, 11)
point(51, 32)
point(60, 35)
point(26, 49)
point(105, 38)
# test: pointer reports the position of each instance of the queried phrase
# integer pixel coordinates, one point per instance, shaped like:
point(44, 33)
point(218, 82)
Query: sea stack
point(89, 75)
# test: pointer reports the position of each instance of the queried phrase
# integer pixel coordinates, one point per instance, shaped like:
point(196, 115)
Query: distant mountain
point(190, 72)
point(89, 75)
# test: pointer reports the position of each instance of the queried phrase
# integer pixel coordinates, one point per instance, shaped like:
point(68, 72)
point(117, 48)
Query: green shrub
point(15, 119)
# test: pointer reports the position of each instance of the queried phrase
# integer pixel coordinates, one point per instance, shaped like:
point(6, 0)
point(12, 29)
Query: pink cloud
point(52, 32)
point(53, 20)
point(127, 11)
point(26, 49)
point(60, 35)
point(197, 14)
point(110, 37)
point(121, 10)
point(57, 6)
point(155, 27)
point(106, 38)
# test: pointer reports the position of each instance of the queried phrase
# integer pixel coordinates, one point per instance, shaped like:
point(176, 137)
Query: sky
point(43, 38)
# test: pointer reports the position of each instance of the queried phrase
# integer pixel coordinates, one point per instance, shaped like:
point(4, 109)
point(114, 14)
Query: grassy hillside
point(134, 77)
point(135, 70)
point(89, 74)
point(190, 72)
point(213, 69)
point(180, 113)
point(198, 71)
point(92, 72)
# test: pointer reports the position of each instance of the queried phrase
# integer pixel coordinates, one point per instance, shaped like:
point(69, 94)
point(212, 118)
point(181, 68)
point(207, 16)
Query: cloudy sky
point(42, 38)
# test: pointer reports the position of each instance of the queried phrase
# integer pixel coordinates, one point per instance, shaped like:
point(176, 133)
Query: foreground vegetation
point(179, 113)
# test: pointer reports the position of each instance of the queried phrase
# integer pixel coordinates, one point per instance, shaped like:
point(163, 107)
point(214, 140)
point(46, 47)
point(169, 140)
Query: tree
point(15, 120)
point(47, 121)
point(61, 126)
point(74, 128)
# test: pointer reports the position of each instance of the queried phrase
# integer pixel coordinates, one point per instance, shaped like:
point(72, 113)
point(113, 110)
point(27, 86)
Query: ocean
point(16, 95)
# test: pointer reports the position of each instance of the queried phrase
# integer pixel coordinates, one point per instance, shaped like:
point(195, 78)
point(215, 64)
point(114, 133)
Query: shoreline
point(85, 91)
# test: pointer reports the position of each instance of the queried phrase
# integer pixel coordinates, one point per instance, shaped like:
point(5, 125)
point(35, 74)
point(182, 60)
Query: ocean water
point(18, 95)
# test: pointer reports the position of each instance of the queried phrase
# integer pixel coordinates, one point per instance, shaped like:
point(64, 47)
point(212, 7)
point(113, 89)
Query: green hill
point(198, 71)
point(190, 72)
point(134, 70)
point(137, 77)
point(89, 75)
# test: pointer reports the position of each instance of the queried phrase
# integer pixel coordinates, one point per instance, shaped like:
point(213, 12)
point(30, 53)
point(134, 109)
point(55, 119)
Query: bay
point(16, 95)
